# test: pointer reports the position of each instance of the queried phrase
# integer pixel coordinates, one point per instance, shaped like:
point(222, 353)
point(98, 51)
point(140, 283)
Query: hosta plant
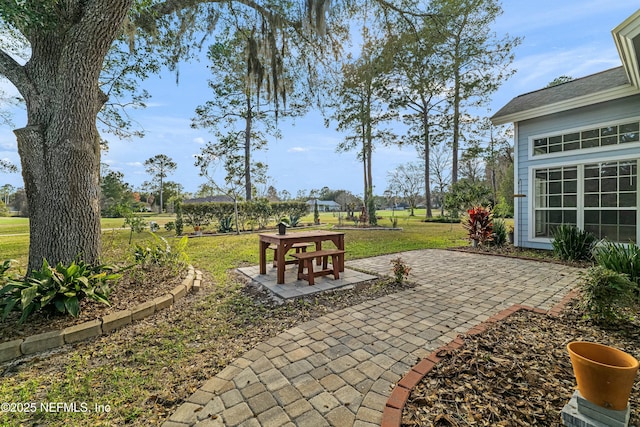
point(479, 224)
point(59, 288)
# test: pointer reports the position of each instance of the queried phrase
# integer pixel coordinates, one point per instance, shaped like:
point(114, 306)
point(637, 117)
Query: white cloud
point(199, 140)
point(297, 150)
point(134, 164)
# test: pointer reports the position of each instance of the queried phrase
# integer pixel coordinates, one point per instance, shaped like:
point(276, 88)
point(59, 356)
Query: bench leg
point(301, 269)
point(310, 271)
point(335, 264)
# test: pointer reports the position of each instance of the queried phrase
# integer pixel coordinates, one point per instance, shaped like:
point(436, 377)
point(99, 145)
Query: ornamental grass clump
point(499, 233)
point(572, 244)
point(619, 257)
point(479, 224)
point(607, 296)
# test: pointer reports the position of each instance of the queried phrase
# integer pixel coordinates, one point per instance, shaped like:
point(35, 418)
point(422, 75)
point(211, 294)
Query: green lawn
point(219, 253)
point(144, 371)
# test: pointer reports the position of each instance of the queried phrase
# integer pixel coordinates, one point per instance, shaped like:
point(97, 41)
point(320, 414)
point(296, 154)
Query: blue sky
point(560, 38)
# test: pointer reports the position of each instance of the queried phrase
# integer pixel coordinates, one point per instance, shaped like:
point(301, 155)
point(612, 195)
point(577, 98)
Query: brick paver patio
point(339, 369)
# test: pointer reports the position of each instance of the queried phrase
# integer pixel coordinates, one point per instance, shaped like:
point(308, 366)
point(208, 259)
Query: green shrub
point(499, 233)
point(179, 220)
point(605, 295)
point(572, 244)
point(442, 219)
point(619, 257)
point(502, 209)
point(170, 226)
point(162, 253)
point(56, 288)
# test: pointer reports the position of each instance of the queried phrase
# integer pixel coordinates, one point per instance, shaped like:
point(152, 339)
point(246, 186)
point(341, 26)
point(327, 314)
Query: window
point(556, 191)
point(605, 194)
point(610, 199)
point(590, 138)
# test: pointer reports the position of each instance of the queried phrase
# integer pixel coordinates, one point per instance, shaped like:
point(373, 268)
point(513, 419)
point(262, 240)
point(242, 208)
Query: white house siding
point(577, 119)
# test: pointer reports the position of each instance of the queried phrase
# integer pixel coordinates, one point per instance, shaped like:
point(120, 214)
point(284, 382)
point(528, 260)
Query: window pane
point(555, 148)
point(570, 217)
point(555, 201)
point(627, 234)
point(591, 200)
point(609, 140)
point(591, 185)
point(595, 229)
point(609, 184)
point(570, 201)
point(555, 140)
point(627, 183)
point(555, 174)
point(609, 217)
point(609, 200)
point(629, 133)
point(592, 171)
point(540, 142)
point(540, 150)
point(568, 146)
point(555, 187)
point(541, 175)
point(610, 232)
point(591, 217)
point(611, 130)
point(609, 169)
point(570, 173)
point(593, 133)
point(555, 217)
point(571, 137)
point(590, 143)
point(627, 217)
point(627, 200)
point(570, 187)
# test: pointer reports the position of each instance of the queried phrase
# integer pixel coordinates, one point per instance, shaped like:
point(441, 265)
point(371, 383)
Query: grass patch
point(144, 371)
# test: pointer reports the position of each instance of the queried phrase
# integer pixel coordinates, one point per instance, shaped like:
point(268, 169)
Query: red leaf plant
point(479, 224)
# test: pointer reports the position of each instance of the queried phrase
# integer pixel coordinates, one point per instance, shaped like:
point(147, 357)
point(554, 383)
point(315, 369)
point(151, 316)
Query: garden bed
point(515, 373)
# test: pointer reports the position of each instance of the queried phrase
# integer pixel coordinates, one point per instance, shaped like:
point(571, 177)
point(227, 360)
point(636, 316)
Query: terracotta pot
point(604, 374)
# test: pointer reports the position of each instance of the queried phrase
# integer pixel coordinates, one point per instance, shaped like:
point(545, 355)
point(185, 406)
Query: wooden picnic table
point(285, 242)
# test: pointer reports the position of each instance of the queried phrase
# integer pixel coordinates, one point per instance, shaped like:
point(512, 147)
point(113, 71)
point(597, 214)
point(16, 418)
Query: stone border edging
point(392, 413)
point(49, 340)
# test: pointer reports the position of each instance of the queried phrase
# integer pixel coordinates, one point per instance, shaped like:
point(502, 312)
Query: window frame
point(579, 164)
point(580, 130)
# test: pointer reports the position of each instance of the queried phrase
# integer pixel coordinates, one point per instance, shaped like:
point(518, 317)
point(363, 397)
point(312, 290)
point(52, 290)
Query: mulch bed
point(133, 288)
point(517, 373)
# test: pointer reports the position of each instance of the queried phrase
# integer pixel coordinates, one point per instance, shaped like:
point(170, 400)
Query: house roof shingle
point(591, 84)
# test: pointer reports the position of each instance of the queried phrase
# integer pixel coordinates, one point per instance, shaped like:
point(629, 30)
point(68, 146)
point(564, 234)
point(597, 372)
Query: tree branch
point(15, 72)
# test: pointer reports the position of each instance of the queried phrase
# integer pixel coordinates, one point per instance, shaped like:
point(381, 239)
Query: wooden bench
point(299, 247)
point(305, 259)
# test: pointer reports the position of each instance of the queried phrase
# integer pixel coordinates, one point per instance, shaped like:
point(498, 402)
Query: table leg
point(319, 248)
point(283, 248)
point(263, 257)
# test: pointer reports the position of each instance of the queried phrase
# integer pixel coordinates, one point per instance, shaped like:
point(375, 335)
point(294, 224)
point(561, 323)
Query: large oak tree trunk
point(59, 147)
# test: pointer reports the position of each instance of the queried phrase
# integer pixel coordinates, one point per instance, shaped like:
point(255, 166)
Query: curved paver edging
point(392, 413)
point(46, 341)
